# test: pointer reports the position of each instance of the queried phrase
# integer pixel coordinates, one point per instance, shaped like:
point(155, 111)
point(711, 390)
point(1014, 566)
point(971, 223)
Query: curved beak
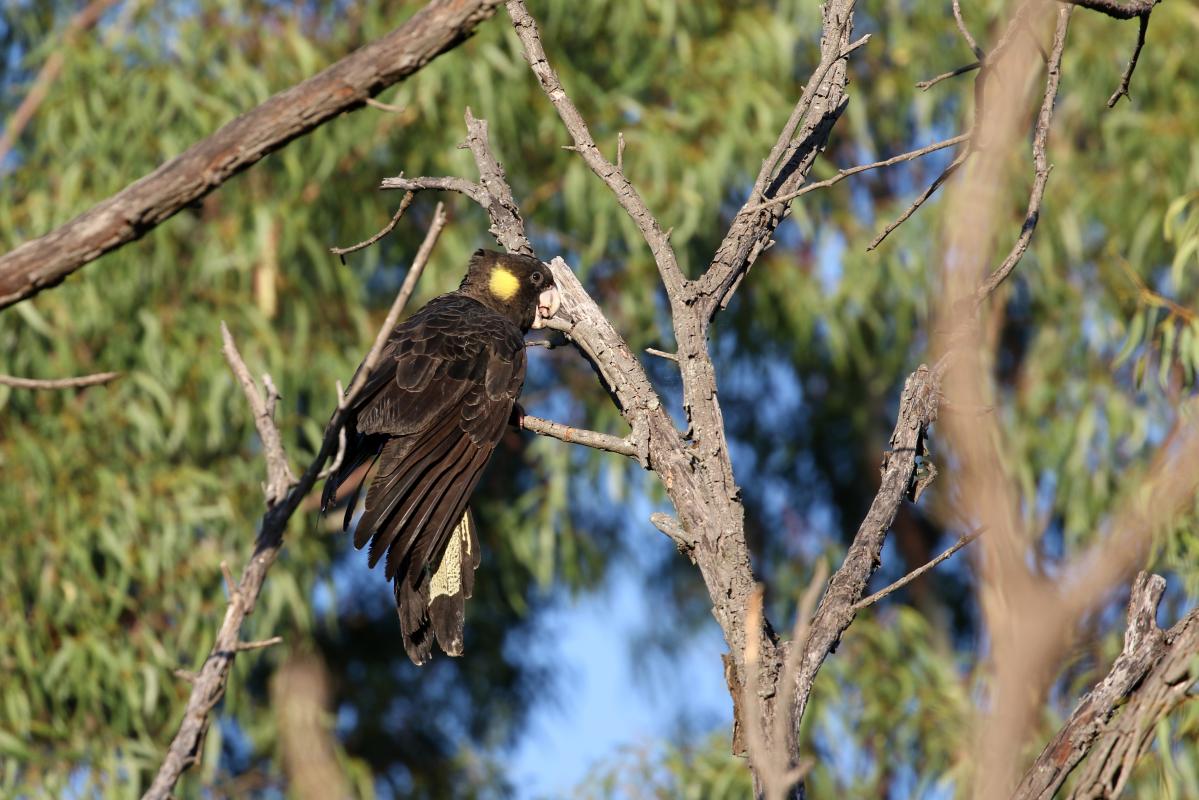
point(548, 303)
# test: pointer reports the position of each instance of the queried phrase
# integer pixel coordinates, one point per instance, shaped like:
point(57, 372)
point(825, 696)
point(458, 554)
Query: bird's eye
point(536, 278)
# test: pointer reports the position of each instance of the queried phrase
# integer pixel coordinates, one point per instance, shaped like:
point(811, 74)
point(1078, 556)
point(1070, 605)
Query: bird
point(428, 418)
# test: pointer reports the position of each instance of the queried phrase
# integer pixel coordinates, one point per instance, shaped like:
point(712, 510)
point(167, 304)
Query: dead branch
point(59, 383)
point(1117, 9)
point(565, 433)
point(208, 687)
point(386, 229)
point(917, 410)
point(141, 206)
point(916, 573)
point(614, 177)
point(1042, 167)
point(921, 200)
point(924, 86)
point(1129, 734)
point(1126, 78)
point(845, 173)
point(1144, 646)
point(279, 477)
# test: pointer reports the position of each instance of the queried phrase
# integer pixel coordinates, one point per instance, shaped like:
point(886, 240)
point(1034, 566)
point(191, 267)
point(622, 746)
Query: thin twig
point(259, 644)
point(653, 351)
point(379, 104)
point(919, 201)
point(1126, 78)
point(388, 228)
point(279, 477)
point(58, 383)
point(1042, 167)
point(957, 17)
point(845, 173)
point(924, 86)
point(565, 433)
point(916, 573)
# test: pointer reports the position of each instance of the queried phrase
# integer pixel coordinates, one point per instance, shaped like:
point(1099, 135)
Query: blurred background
point(592, 664)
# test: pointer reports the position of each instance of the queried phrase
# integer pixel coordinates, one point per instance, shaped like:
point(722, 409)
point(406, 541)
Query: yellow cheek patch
point(503, 284)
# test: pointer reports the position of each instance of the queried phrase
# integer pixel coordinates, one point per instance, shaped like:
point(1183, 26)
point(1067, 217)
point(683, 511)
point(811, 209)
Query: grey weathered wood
point(141, 206)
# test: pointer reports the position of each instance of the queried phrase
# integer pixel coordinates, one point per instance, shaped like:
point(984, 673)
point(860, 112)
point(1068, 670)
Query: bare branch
point(916, 573)
point(653, 351)
point(260, 644)
point(1116, 8)
point(1130, 733)
point(58, 383)
point(1126, 78)
point(1041, 164)
point(460, 185)
point(917, 410)
point(388, 228)
point(388, 107)
point(919, 201)
point(209, 685)
point(279, 477)
point(565, 433)
point(845, 173)
point(961, 23)
point(787, 165)
point(671, 527)
point(144, 204)
point(1144, 645)
point(924, 86)
point(626, 193)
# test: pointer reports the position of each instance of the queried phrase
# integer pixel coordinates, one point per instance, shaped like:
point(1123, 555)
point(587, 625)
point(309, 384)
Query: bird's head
point(519, 287)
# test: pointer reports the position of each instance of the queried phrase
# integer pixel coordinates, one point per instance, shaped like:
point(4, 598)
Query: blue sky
point(608, 698)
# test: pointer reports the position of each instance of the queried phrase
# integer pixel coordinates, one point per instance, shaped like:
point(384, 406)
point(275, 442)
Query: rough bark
point(141, 206)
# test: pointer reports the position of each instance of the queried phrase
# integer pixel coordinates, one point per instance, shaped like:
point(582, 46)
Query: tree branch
point(460, 185)
point(1126, 78)
point(953, 167)
point(786, 167)
point(626, 194)
point(916, 573)
point(1116, 8)
point(208, 686)
point(1144, 645)
point(1128, 735)
point(565, 433)
point(917, 410)
point(388, 228)
point(1042, 167)
point(58, 383)
point(845, 173)
point(141, 206)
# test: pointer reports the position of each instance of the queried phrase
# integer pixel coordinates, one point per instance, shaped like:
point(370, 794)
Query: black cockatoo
point(429, 417)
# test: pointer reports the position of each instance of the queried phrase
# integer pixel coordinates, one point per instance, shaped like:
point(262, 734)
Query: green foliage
point(120, 502)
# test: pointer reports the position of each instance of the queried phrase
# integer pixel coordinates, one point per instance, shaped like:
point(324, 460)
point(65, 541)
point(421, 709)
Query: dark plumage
point(429, 416)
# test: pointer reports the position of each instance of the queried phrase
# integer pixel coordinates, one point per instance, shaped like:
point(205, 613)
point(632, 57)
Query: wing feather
point(431, 415)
